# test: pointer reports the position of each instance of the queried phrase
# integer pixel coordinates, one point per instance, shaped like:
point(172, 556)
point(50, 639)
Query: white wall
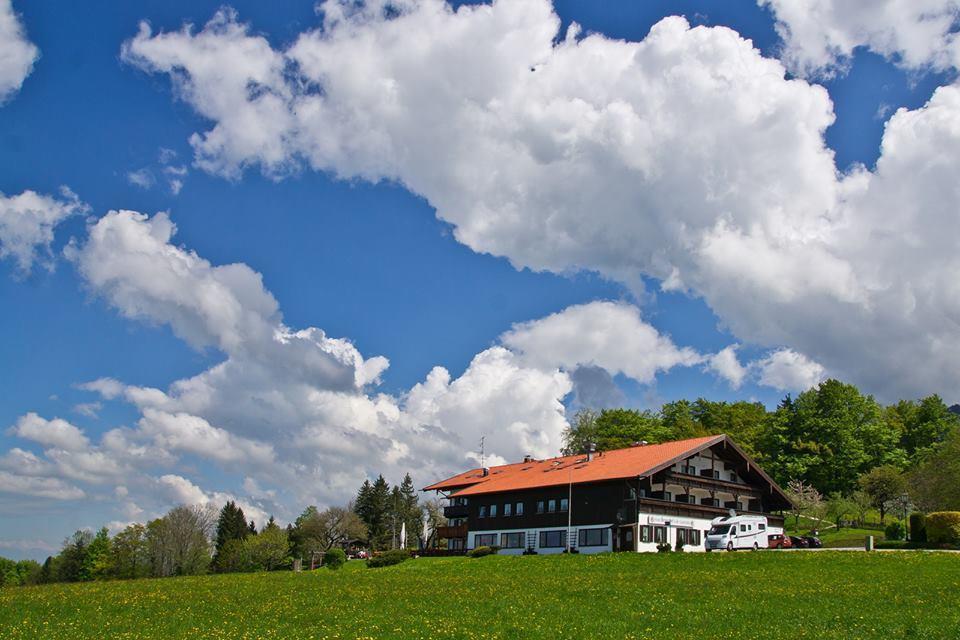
point(657, 520)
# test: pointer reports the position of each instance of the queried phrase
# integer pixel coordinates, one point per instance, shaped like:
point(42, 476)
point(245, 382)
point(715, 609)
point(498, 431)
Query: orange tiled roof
point(611, 465)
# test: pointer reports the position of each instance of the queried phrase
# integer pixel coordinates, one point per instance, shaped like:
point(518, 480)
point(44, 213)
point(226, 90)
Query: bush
point(334, 558)
point(918, 527)
point(895, 531)
point(943, 527)
point(479, 552)
point(664, 547)
point(388, 558)
point(891, 544)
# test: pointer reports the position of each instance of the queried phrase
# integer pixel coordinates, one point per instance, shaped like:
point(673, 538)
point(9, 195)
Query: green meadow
point(762, 595)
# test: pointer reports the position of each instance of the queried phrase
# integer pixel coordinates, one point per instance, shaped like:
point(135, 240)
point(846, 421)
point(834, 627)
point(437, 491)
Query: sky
point(263, 252)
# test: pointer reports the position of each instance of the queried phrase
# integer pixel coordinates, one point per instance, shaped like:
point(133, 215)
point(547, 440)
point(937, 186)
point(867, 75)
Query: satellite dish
point(733, 513)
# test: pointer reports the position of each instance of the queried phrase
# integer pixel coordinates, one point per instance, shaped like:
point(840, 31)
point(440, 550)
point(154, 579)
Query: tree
point(581, 432)
point(923, 425)
point(435, 518)
point(231, 525)
point(935, 483)
point(374, 508)
point(267, 550)
point(745, 422)
point(613, 429)
point(96, 563)
point(128, 553)
point(828, 437)
point(884, 484)
point(805, 500)
point(19, 573)
point(72, 560)
point(411, 513)
point(839, 507)
point(180, 542)
point(316, 532)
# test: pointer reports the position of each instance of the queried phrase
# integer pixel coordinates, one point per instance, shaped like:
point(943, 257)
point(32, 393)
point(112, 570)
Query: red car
point(779, 541)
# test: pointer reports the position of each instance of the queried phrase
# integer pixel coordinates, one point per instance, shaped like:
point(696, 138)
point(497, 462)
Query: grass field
point(768, 595)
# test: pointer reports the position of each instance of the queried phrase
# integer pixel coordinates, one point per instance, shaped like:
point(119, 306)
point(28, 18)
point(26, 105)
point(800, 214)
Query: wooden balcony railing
point(452, 532)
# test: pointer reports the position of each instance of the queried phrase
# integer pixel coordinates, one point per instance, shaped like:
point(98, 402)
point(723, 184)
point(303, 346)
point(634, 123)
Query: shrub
point(894, 531)
point(664, 547)
point(891, 544)
point(943, 527)
point(479, 552)
point(334, 558)
point(388, 558)
point(918, 527)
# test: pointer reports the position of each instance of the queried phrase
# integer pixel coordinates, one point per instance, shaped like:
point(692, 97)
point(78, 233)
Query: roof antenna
point(482, 465)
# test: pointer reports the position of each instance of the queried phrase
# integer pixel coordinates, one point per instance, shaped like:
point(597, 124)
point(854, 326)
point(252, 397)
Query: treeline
point(192, 540)
point(832, 439)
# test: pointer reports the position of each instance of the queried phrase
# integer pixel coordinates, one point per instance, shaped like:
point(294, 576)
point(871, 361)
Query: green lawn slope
point(746, 595)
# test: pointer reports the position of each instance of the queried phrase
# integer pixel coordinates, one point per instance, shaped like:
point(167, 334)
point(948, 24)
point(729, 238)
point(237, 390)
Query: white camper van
point(737, 532)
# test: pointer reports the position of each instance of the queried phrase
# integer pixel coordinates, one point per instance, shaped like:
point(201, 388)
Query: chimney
point(485, 472)
point(528, 458)
point(591, 449)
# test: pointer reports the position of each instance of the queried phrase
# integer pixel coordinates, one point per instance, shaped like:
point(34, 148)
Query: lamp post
point(569, 503)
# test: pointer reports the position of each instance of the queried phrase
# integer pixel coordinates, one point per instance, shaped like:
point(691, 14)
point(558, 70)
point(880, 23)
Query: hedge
point(918, 527)
point(479, 552)
point(943, 527)
point(334, 558)
point(388, 558)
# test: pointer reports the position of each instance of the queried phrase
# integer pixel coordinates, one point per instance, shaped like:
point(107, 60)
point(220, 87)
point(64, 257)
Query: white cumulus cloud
point(17, 53)
point(687, 157)
point(820, 36)
point(27, 221)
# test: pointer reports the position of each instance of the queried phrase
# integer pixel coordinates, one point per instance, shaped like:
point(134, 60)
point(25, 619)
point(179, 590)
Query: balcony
point(456, 511)
point(452, 532)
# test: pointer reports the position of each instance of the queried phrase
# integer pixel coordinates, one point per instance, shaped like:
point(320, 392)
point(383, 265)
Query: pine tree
point(380, 509)
point(232, 525)
point(411, 512)
point(363, 504)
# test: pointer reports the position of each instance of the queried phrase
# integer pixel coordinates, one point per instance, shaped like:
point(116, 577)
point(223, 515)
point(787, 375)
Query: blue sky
point(395, 260)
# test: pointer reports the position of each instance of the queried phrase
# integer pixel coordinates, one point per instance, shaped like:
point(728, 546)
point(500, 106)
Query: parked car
point(799, 542)
point(779, 541)
point(813, 542)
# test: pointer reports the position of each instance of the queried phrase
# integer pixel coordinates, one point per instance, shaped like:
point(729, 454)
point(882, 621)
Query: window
point(563, 504)
point(689, 469)
point(762, 527)
point(646, 534)
point(519, 509)
point(710, 502)
point(552, 539)
point(733, 476)
point(551, 505)
point(688, 536)
point(659, 534)
point(507, 509)
point(485, 540)
point(493, 511)
point(540, 506)
point(743, 528)
point(594, 537)
point(483, 511)
point(512, 540)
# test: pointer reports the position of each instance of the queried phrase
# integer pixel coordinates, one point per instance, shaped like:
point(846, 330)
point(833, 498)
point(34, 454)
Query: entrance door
point(626, 541)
